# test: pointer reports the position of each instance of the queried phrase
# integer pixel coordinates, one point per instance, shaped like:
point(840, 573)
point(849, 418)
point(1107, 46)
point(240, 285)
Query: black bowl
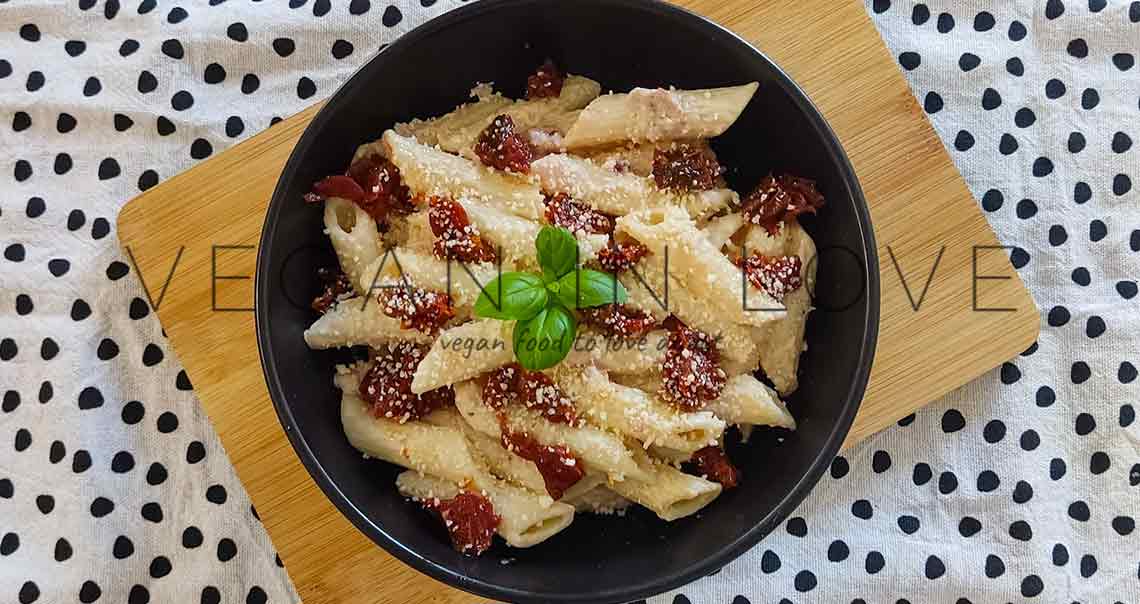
point(622, 44)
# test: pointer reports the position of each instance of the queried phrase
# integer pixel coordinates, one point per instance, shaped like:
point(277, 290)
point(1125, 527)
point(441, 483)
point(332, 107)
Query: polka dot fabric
point(1023, 485)
point(113, 488)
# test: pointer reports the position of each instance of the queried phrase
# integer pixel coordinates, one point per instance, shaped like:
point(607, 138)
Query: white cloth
point(93, 122)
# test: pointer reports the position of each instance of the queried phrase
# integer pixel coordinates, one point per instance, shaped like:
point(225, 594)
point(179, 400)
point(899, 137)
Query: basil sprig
point(542, 305)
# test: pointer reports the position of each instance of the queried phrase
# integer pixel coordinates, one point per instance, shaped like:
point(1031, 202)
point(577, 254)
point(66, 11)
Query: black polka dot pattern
point(87, 97)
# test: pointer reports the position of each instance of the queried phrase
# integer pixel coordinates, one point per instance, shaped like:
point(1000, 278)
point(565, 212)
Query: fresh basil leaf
point(586, 288)
point(512, 296)
point(545, 339)
point(557, 251)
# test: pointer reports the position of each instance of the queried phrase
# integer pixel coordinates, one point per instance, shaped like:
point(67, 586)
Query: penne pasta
point(647, 291)
point(619, 355)
point(457, 131)
point(524, 519)
point(354, 237)
point(636, 413)
point(601, 500)
point(670, 493)
point(431, 171)
point(443, 454)
point(401, 267)
point(701, 267)
point(782, 342)
point(759, 241)
point(471, 349)
point(464, 352)
point(505, 464)
point(720, 230)
point(414, 233)
point(464, 118)
point(358, 322)
point(617, 193)
point(599, 450)
point(368, 150)
point(659, 115)
point(745, 400)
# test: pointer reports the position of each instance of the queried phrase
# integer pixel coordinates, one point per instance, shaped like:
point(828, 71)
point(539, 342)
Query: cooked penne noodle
point(635, 413)
point(745, 400)
point(701, 267)
point(600, 500)
point(515, 236)
point(464, 352)
point(482, 345)
point(670, 493)
point(782, 342)
point(507, 465)
point(647, 292)
point(659, 115)
point(443, 453)
point(618, 355)
point(375, 147)
point(720, 230)
point(759, 241)
point(457, 131)
point(476, 114)
point(524, 518)
point(358, 322)
point(599, 450)
point(617, 193)
point(431, 171)
point(577, 93)
point(354, 237)
point(415, 233)
point(402, 267)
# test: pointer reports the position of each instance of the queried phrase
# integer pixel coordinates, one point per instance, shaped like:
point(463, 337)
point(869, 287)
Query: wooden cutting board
point(937, 276)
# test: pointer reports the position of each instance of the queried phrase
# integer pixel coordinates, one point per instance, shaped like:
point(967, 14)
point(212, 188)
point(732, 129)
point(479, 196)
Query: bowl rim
point(727, 552)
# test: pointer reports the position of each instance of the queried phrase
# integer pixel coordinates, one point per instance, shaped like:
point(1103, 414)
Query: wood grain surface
point(923, 214)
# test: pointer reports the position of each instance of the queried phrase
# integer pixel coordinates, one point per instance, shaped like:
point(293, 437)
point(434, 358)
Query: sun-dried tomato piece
point(546, 82)
point(384, 189)
point(371, 182)
point(502, 387)
point(559, 468)
point(470, 520)
point(578, 218)
point(618, 257)
point(712, 463)
point(779, 198)
point(337, 285)
point(691, 373)
point(539, 393)
point(685, 167)
point(340, 186)
point(387, 386)
point(455, 236)
point(619, 320)
point(501, 146)
point(777, 275)
point(511, 383)
point(420, 309)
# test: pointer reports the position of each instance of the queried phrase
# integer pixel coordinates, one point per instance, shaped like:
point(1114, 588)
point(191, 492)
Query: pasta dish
point(564, 305)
